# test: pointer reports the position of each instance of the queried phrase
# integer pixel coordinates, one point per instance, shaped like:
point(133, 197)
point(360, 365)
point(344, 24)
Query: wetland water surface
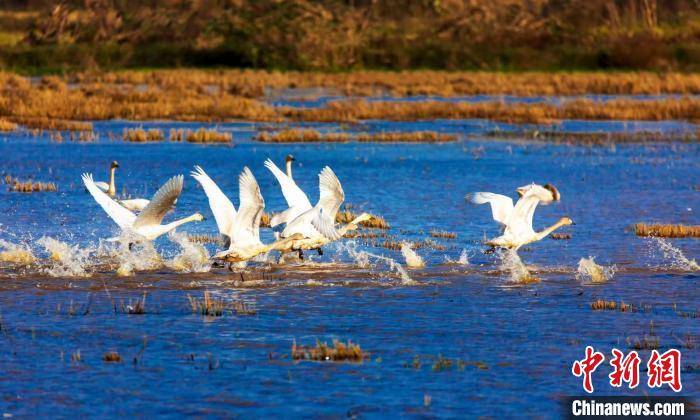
point(510, 346)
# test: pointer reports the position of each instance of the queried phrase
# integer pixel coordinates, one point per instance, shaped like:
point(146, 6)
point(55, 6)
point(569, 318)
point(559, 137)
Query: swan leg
point(230, 267)
point(301, 254)
point(131, 246)
point(319, 250)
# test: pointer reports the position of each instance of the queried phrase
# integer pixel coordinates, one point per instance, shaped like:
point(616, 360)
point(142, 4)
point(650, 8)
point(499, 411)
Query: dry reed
point(214, 307)
point(310, 136)
point(139, 135)
point(443, 234)
point(6, 125)
point(112, 356)
point(207, 136)
point(302, 136)
point(29, 186)
point(667, 231)
point(338, 352)
point(610, 305)
point(595, 138)
point(559, 236)
point(50, 123)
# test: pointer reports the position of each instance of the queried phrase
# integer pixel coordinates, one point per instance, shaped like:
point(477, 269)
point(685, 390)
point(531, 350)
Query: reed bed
point(207, 136)
point(338, 352)
point(409, 137)
point(29, 186)
point(60, 103)
point(302, 136)
point(139, 135)
point(609, 305)
point(253, 83)
point(686, 108)
point(667, 231)
point(47, 123)
point(6, 125)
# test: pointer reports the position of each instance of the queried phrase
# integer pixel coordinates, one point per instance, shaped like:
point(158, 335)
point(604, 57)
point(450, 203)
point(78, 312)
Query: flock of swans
point(305, 226)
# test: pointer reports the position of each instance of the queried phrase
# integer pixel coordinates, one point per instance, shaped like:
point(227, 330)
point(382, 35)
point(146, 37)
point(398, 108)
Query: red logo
point(665, 369)
point(587, 366)
point(625, 369)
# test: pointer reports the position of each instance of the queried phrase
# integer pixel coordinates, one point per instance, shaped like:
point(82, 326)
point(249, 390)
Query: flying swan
point(517, 219)
point(297, 201)
point(148, 223)
point(240, 229)
point(316, 226)
point(135, 204)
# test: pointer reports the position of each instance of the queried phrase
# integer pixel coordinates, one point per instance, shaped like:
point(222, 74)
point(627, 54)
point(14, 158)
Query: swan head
point(198, 217)
point(564, 221)
point(555, 192)
point(289, 158)
point(114, 165)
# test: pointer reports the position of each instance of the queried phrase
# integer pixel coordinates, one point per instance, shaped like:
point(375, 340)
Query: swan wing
point(123, 217)
point(221, 206)
point(246, 225)
point(102, 185)
point(295, 197)
point(325, 226)
point(501, 205)
point(161, 203)
point(302, 224)
point(135, 204)
point(521, 219)
point(332, 195)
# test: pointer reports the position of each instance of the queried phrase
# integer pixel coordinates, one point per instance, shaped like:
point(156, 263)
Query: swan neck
point(172, 225)
point(112, 191)
point(547, 231)
point(289, 169)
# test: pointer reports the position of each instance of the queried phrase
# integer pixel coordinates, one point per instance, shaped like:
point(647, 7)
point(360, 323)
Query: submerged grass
point(338, 352)
point(595, 138)
point(667, 231)
point(215, 307)
point(29, 186)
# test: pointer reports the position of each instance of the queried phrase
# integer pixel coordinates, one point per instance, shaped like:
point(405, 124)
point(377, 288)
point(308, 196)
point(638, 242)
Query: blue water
point(524, 337)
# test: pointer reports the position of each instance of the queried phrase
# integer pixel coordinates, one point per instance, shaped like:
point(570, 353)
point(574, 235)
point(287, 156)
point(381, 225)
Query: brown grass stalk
point(338, 352)
point(667, 231)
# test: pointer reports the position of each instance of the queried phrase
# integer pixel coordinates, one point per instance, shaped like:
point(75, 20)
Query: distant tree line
point(346, 34)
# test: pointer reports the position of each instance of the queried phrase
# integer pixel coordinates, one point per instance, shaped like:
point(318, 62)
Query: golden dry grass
point(16, 185)
point(609, 305)
point(559, 236)
point(207, 136)
point(200, 95)
point(338, 352)
point(207, 306)
point(686, 108)
point(139, 135)
point(6, 125)
point(301, 136)
point(667, 231)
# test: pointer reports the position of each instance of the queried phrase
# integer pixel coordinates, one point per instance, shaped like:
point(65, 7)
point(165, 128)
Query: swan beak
point(521, 192)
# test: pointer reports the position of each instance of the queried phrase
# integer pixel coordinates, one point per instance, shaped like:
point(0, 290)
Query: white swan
point(517, 219)
point(316, 226)
point(148, 223)
point(109, 188)
point(297, 201)
point(548, 192)
point(241, 229)
point(135, 204)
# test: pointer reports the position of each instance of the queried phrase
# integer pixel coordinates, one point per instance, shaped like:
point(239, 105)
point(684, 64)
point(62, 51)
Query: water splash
point(15, 253)
point(413, 260)
point(674, 256)
point(193, 258)
point(65, 260)
point(364, 259)
point(131, 255)
point(462, 260)
point(589, 271)
point(513, 265)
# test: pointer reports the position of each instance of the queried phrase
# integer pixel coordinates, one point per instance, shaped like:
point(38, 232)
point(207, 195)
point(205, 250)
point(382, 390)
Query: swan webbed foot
point(319, 250)
point(301, 254)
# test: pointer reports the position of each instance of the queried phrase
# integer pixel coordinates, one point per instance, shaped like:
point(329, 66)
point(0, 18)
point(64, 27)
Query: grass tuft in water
point(667, 231)
point(338, 352)
point(215, 307)
point(112, 356)
point(609, 305)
